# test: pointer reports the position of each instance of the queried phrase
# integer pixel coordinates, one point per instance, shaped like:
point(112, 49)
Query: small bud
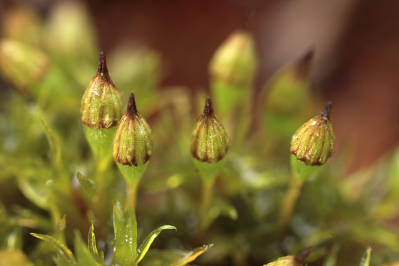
point(284, 261)
point(101, 104)
point(210, 140)
point(289, 89)
point(133, 140)
point(235, 61)
point(297, 260)
point(69, 32)
point(24, 66)
point(313, 142)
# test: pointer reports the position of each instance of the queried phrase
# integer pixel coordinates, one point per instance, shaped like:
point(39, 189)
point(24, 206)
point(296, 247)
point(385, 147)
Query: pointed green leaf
point(54, 142)
point(83, 254)
point(331, 260)
point(366, 258)
point(92, 241)
point(145, 246)
point(219, 208)
point(29, 218)
point(192, 255)
point(125, 239)
point(63, 251)
point(34, 190)
point(173, 257)
point(14, 239)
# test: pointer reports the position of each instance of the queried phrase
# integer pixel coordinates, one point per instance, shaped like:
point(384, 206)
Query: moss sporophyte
point(133, 140)
point(232, 70)
point(101, 110)
point(235, 62)
point(101, 103)
point(100, 113)
point(313, 142)
point(209, 147)
point(311, 146)
point(132, 148)
point(210, 141)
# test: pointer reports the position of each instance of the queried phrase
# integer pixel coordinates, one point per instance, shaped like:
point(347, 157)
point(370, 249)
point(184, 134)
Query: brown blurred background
point(355, 45)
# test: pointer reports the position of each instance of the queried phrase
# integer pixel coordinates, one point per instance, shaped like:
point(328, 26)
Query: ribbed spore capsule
point(133, 139)
point(313, 143)
point(210, 140)
point(101, 103)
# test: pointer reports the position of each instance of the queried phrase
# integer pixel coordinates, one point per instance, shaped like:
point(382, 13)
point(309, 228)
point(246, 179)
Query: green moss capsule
point(101, 104)
point(210, 140)
point(313, 143)
point(296, 260)
point(133, 138)
point(235, 61)
point(23, 65)
point(284, 261)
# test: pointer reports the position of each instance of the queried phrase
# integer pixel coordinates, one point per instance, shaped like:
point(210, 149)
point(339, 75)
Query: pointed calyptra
point(313, 142)
point(210, 140)
point(101, 104)
point(133, 139)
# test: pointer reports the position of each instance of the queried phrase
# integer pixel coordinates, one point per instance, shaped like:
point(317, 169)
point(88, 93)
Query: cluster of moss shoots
point(124, 137)
point(132, 147)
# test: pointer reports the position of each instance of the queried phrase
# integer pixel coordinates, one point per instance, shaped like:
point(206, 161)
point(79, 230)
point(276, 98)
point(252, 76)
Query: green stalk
point(100, 141)
point(300, 173)
point(208, 148)
point(290, 201)
point(208, 173)
point(131, 195)
point(132, 175)
point(206, 199)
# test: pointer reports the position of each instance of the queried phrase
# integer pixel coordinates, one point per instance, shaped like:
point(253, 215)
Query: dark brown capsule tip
point(326, 114)
point(208, 109)
point(304, 63)
point(102, 67)
point(131, 106)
